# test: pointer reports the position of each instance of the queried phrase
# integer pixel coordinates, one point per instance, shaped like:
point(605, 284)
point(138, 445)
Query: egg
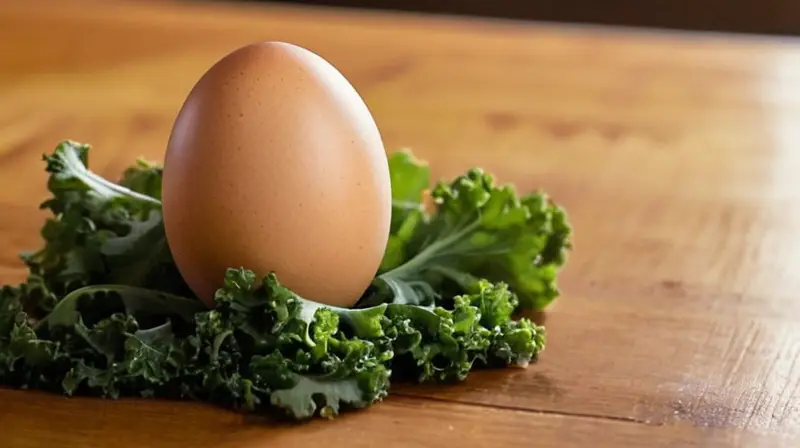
point(276, 164)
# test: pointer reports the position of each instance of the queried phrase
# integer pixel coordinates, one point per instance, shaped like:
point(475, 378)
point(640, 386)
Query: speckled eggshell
point(276, 164)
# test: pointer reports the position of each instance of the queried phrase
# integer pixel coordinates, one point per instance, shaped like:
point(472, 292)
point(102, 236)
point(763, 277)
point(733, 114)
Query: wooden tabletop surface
point(676, 156)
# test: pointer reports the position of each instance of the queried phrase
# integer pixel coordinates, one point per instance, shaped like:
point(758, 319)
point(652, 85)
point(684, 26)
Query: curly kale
point(104, 311)
point(479, 231)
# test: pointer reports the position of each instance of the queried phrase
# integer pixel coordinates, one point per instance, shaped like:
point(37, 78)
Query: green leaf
point(409, 178)
point(285, 335)
point(482, 231)
point(10, 308)
point(70, 174)
point(136, 302)
point(300, 399)
point(443, 344)
point(100, 232)
point(144, 177)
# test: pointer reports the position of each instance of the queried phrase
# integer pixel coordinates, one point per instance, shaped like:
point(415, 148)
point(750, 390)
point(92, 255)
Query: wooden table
point(677, 157)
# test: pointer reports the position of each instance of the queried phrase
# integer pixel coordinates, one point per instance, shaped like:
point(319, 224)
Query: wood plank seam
point(538, 411)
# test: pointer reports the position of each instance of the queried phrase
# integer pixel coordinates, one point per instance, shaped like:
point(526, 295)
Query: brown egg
point(276, 164)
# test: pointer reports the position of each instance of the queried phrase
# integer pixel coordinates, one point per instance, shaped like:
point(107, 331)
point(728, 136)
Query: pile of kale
point(105, 312)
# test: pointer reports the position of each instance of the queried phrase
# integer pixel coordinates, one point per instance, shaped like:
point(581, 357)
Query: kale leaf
point(479, 231)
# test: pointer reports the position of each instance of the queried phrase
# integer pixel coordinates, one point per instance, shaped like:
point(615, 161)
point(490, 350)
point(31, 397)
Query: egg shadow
point(538, 317)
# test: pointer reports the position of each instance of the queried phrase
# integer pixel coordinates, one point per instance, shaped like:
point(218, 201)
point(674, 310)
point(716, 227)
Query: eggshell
point(276, 164)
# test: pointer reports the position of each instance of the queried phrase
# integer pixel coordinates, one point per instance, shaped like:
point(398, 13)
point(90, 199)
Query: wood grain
point(676, 156)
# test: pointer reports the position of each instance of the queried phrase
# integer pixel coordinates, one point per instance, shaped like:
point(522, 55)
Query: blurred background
point(742, 16)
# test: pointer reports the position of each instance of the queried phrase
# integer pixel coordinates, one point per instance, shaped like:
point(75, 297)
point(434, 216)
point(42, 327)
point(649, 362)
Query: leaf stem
point(430, 252)
point(100, 184)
